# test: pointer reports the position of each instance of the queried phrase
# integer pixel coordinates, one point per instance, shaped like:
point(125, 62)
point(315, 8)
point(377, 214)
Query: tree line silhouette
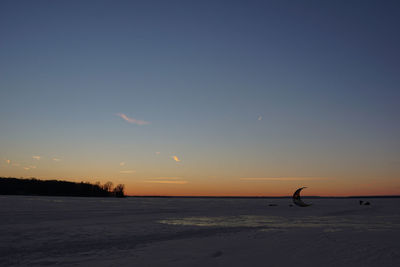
point(33, 186)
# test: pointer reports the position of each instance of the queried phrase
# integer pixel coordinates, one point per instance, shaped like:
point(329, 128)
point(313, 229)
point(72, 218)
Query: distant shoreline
point(36, 187)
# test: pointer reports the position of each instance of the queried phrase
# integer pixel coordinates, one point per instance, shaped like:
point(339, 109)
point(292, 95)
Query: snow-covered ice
point(74, 231)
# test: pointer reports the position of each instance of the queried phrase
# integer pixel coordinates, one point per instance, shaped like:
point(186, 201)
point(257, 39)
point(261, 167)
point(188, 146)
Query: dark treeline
point(16, 186)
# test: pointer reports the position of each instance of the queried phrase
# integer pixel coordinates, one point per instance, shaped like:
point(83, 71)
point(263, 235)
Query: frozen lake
point(197, 232)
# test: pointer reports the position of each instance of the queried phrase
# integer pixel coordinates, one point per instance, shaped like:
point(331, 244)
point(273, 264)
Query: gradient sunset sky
point(203, 97)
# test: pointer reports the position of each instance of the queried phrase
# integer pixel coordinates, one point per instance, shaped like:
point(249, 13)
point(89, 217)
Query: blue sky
point(235, 89)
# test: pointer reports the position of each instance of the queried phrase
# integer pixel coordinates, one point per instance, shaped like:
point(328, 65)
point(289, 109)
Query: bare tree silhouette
point(107, 186)
point(119, 190)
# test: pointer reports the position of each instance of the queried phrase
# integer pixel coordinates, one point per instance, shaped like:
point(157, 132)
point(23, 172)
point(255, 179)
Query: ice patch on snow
point(331, 223)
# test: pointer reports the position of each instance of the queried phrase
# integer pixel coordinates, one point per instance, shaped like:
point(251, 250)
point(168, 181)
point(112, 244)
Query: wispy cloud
point(283, 178)
point(259, 118)
point(132, 120)
point(166, 182)
point(37, 157)
point(122, 163)
point(128, 171)
point(30, 167)
point(176, 158)
point(166, 178)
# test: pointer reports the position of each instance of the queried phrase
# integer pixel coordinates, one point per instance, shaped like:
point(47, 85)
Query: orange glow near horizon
point(175, 186)
point(172, 178)
point(183, 188)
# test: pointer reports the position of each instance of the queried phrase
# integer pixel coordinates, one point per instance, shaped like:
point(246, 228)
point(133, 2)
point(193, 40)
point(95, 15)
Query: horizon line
point(188, 196)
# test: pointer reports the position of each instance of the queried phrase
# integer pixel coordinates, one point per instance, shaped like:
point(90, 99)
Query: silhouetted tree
point(119, 190)
point(107, 186)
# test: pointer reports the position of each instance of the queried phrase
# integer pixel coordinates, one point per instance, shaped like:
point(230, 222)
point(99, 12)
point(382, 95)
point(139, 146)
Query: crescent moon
point(297, 200)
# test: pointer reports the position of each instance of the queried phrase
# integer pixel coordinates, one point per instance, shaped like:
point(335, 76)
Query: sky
point(244, 98)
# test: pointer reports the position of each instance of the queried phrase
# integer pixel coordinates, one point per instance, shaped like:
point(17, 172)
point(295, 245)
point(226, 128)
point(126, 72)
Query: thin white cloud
point(167, 182)
point(122, 163)
point(259, 118)
point(56, 159)
point(132, 120)
point(37, 157)
point(176, 158)
point(282, 178)
point(128, 171)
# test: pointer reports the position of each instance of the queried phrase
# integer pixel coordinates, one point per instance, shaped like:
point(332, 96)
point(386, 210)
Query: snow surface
point(74, 231)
